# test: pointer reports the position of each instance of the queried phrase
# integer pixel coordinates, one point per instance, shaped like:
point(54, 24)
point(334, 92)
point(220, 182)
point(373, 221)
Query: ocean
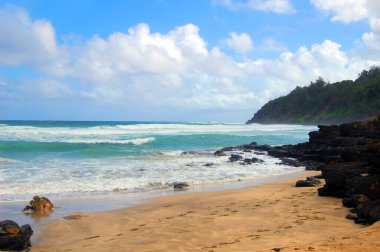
point(68, 159)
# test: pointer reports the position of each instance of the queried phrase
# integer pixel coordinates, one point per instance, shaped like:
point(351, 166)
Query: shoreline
point(112, 201)
point(255, 218)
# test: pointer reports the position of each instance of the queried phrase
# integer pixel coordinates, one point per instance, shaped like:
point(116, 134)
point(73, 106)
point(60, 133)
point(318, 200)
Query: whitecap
point(6, 160)
point(137, 141)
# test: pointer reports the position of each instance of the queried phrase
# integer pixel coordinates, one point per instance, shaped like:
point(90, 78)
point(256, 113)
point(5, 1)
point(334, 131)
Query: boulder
point(354, 201)
point(309, 182)
point(39, 205)
point(13, 237)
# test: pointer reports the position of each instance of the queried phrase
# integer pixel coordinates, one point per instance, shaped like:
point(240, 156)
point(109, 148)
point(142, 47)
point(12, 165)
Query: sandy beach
point(270, 217)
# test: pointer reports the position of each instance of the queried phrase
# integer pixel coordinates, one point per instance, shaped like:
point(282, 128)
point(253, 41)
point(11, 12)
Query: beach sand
point(270, 217)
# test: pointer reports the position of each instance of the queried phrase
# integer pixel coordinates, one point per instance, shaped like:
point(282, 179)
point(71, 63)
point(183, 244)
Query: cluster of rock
point(16, 238)
point(13, 237)
point(348, 156)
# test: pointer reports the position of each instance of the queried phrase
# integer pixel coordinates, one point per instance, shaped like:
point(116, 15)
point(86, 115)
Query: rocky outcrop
point(39, 205)
point(348, 156)
point(13, 237)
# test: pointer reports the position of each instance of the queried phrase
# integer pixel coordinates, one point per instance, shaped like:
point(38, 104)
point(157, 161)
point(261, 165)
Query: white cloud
point(241, 43)
point(173, 69)
point(24, 41)
point(372, 39)
point(276, 6)
point(343, 10)
point(270, 44)
point(347, 11)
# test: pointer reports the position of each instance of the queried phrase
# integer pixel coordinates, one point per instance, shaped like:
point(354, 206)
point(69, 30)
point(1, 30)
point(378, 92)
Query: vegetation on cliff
point(325, 103)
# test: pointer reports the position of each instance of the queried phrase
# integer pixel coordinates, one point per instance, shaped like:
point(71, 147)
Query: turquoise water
point(69, 158)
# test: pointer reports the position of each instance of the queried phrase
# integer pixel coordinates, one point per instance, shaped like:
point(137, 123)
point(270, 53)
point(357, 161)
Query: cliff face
point(325, 103)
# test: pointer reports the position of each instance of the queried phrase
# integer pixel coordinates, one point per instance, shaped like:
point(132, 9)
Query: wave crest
point(137, 141)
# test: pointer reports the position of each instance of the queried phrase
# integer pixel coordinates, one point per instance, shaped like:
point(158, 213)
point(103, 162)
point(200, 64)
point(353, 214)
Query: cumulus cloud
point(174, 69)
point(241, 43)
point(347, 11)
point(343, 10)
point(24, 41)
point(372, 39)
point(276, 6)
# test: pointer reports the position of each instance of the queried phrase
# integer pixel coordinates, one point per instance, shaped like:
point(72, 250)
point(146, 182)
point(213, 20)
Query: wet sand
point(271, 217)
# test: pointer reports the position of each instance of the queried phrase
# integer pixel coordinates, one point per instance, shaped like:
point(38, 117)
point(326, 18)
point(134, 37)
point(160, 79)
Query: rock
point(13, 237)
point(348, 202)
point(354, 201)
point(289, 162)
point(351, 217)
point(309, 182)
point(320, 176)
point(39, 205)
point(221, 152)
point(180, 186)
point(209, 164)
point(348, 155)
point(73, 217)
point(235, 157)
point(369, 211)
point(248, 147)
point(252, 161)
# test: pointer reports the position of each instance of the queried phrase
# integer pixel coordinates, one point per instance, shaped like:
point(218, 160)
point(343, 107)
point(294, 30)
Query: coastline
point(65, 206)
point(255, 218)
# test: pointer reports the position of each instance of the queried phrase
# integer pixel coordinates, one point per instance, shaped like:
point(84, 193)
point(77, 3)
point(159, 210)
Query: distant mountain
point(325, 103)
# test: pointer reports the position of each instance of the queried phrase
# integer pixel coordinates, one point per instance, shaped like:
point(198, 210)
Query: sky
point(175, 60)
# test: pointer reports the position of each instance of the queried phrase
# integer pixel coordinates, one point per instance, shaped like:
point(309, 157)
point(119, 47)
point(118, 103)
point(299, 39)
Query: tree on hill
point(322, 102)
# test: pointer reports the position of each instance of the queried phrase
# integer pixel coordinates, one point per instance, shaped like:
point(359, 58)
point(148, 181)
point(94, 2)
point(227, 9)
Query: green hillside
point(325, 103)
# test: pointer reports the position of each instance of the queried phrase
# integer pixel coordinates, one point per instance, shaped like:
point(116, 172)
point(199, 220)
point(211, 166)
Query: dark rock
point(252, 161)
point(13, 237)
point(180, 186)
point(348, 155)
point(314, 167)
point(352, 210)
point(189, 153)
point(369, 211)
point(221, 152)
point(303, 183)
point(309, 182)
point(350, 202)
point(248, 147)
point(235, 157)
point(290, 162)
point(320, 176)
point(264, 147)
point(351, 217)
point(209, 164)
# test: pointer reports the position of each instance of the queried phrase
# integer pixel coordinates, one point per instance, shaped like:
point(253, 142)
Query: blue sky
point(217, 60)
